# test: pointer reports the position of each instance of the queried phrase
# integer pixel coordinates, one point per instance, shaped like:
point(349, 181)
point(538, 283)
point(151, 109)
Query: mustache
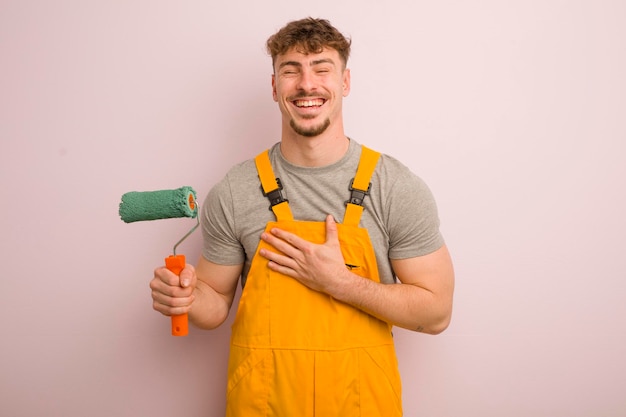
point(304, 95)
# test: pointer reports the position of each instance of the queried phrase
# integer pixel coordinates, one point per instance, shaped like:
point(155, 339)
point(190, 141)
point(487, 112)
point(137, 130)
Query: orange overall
point(296, 352)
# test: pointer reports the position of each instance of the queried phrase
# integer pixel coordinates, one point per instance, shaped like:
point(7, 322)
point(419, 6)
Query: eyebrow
point(313, 63)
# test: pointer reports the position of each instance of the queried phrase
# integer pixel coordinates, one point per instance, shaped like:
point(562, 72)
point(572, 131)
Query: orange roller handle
point(180, 323)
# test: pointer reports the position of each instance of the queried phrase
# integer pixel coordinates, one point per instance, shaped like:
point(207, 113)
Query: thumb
point(187, 276)
point(331, 229)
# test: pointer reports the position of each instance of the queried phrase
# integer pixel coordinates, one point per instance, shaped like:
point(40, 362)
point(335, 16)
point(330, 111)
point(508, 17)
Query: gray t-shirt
point(400, 213)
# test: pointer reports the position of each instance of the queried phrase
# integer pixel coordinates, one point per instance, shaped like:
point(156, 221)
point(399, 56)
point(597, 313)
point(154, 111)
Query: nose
point(306, 82)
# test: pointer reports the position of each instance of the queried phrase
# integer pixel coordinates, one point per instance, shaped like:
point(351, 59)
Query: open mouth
point(309, 103)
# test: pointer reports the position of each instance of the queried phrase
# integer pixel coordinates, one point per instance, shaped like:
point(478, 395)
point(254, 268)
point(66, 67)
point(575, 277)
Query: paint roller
point(164, 204)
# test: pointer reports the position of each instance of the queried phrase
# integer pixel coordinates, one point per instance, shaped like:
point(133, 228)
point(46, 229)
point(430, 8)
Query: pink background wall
point(513, 112)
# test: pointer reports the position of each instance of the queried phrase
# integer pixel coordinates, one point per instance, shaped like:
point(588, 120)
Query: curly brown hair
point(309, 35)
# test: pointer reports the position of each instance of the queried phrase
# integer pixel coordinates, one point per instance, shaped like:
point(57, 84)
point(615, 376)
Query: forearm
point(403, 305)
point(214, 293)
point(209, 308)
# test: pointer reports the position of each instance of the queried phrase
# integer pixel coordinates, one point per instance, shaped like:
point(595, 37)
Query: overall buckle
point(275, 196)
point(357, 196)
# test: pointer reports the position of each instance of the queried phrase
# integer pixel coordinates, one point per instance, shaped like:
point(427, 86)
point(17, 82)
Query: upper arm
point(434, 273)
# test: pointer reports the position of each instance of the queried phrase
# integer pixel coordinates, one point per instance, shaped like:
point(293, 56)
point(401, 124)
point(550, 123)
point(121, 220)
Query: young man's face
point(309, 89)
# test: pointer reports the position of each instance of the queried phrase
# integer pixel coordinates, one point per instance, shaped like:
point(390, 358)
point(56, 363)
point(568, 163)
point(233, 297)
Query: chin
point(310, 131)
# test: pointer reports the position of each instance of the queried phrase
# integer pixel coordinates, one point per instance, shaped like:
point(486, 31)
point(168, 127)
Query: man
point(349, 247)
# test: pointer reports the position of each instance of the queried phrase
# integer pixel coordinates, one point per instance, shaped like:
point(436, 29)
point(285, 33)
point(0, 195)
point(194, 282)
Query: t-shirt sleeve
point(220, 243)
point(413, 219)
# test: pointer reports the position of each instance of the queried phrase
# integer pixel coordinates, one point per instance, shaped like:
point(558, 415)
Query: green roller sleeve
point(163, 204)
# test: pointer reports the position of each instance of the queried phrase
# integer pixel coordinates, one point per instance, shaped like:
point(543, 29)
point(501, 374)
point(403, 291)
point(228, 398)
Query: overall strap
point(360, 186)
point(272, 188)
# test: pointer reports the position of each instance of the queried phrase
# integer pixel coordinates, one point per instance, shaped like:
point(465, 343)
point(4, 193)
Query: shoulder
point(239, 192)
point(240, 172)
point(240, 178)
point(389, 165)
point(395, 176)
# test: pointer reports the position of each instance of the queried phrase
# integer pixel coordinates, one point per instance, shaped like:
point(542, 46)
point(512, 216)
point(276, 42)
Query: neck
point(315, 151)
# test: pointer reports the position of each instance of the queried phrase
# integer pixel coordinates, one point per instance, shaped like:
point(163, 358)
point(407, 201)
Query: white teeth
point(308, 103)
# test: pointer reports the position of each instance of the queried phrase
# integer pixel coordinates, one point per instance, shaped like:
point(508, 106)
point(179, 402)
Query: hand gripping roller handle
point(180, 323)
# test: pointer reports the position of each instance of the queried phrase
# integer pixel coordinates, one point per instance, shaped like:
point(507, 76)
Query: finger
point(276, 258)
point(274, 266)
point(173, 291)
point(332, 234)
point(166, 276)
point(172, 304)
point(170, 310)
point(291, 238)
point(278, 239)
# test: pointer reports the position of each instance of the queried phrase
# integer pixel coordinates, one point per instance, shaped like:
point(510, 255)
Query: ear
point(274, 95)
point(346, 82)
